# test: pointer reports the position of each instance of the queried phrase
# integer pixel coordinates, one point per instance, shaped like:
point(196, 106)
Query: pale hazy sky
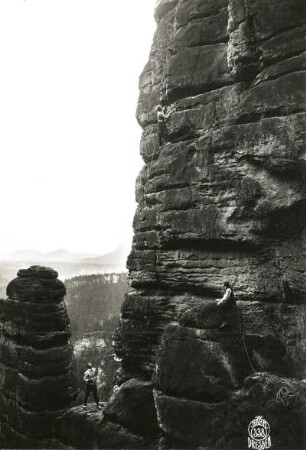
point(69, 139)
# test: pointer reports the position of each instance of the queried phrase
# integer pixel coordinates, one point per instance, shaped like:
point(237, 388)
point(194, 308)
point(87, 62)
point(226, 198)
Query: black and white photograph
point(153, 227)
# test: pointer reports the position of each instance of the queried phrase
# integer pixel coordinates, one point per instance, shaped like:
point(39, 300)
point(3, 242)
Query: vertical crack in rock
point(37, 374)
point(242, 53)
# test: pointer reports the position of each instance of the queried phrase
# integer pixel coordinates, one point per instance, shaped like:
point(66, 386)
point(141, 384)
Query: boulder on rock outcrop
point(132, 406)
point(37, 284)
point(203, 365)
point(210, 315)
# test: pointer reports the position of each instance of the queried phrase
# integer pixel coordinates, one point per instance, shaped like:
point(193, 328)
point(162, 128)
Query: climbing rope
point(183, 323)
point(227, 332)
point(244, 344)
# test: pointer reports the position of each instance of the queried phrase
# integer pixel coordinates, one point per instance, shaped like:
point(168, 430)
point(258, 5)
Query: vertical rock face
point(37, 376)
point(222, 199)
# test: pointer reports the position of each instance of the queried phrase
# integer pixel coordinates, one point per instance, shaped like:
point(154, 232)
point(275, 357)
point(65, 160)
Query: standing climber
point(226, 302)
point(90, 377)
point(163, 114)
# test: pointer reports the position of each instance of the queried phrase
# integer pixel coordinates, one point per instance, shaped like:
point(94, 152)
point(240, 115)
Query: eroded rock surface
point(37, 374)
point(224, 423)
point(132, 406)
point(79, 428)
point(221, 199)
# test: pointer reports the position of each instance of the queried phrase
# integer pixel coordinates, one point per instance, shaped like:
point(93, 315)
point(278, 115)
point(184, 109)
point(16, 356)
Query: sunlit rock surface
point(37, 373)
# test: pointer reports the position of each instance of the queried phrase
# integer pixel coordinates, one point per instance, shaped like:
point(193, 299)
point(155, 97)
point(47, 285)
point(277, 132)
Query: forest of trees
point(93, 304)
point(93, 300)
point(3, 284)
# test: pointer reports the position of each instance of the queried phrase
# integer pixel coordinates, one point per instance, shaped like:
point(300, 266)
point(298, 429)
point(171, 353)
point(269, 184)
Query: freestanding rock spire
point(37, 377)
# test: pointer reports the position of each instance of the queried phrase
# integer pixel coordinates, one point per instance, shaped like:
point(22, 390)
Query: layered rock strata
point(37, 373)
point(221, 199)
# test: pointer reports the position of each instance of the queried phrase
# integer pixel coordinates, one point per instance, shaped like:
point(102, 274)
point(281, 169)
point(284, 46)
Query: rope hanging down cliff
point(242, 333)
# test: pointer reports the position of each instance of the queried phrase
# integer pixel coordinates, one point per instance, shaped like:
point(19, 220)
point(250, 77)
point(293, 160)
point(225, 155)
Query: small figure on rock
point(163, 114)
point(226, 302)
point(90, 377)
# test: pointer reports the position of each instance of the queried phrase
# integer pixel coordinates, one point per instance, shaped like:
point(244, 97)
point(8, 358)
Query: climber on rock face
point(226, 302)
point(90, 377)
point(163, 114)
point(228, 297)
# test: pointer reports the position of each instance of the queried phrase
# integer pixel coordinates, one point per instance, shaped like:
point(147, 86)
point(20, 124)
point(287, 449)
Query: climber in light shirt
point(228, 297)
point(226, 302)
point(163, 113)
point(90, 377)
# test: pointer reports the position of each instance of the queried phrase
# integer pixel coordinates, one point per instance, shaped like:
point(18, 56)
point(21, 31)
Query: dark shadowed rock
point(281, 401)
point(202, 365)
point(221, 199)
point(79, 428)
point(37, 376)
point(209, 315)
point(133, 406)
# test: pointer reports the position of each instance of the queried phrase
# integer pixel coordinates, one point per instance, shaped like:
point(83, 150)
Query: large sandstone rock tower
point(37, 374)
point(221, 197)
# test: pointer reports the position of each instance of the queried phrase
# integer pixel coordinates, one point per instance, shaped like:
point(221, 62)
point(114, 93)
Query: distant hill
point(67, 264)
point(60, 255)
point(117, 257)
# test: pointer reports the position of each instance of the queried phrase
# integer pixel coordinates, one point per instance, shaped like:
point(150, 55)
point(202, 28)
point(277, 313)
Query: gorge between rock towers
point(221, 198)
